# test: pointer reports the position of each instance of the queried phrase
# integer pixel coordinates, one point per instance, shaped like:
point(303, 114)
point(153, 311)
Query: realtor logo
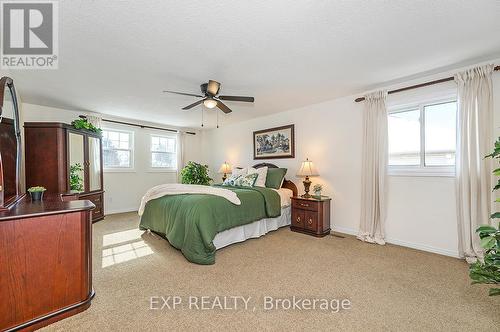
point(29, 34)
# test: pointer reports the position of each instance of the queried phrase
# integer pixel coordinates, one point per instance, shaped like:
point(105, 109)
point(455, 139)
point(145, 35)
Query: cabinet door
point(311, 221)
point(298, 217)
point(76, 158)
point(94, 163)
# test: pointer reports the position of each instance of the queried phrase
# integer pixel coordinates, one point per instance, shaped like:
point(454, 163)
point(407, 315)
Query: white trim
point(423, 247)
point(131, 168)
point(119, 170)
point(417, 246)
point(161, 170)
point(416, 171)
point(153, 169)
point(422, 170)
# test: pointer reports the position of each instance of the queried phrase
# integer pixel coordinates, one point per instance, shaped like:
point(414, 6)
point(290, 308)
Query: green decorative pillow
point(275, 177)
point(246, 180)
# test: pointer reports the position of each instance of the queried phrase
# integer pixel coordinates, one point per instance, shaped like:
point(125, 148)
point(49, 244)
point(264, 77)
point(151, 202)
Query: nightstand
point(311, 215)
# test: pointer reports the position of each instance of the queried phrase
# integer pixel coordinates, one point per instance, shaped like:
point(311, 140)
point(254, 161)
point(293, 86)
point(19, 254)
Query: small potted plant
point(317, 188)
point(36, 193)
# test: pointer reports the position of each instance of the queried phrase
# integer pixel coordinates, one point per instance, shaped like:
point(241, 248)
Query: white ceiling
point(117, 56)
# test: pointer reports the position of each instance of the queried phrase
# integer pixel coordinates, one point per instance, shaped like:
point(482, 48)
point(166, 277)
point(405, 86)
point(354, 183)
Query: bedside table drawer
point(305, 205)
point(298, 218)
point(311, 221)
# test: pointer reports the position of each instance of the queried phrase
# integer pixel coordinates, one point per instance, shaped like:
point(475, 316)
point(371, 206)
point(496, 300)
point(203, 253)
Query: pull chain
point(202, 110)
point(217, 119)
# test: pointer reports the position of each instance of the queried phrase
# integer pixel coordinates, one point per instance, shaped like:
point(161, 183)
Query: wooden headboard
point(286, 183)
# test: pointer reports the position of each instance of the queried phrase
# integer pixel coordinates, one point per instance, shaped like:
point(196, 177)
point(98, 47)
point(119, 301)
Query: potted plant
point(84, 124)
point(194, 173)
point(36, 193)
point(317, 188)
point(487, 269)
point(75, 180)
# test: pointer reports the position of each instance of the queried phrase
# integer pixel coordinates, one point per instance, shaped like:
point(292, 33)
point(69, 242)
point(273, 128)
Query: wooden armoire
point(65, 160)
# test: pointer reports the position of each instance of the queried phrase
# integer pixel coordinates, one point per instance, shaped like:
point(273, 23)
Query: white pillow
point(238, 172)
point(262, 175)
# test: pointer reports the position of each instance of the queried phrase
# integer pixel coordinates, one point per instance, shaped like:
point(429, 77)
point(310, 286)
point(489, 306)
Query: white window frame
point(422, 169)
point(163, 169)
point(131, 168)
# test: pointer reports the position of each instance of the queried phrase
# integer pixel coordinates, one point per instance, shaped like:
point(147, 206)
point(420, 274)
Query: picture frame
point(274, 143)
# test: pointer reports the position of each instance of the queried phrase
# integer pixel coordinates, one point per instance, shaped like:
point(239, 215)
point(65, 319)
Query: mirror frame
point(7, 202)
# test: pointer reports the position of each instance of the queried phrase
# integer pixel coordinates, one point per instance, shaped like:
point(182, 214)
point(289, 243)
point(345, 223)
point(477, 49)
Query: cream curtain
point(473, 171)
point(181, 159)
point(374, 169)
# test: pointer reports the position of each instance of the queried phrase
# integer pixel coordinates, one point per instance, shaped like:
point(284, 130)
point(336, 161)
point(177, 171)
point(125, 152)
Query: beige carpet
point(391, 288)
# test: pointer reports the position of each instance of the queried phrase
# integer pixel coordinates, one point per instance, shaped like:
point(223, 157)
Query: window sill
point(162, 170)
point(448, 172)
point(119, 170)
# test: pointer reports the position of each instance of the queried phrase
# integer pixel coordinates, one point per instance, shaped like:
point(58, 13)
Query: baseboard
point(124, 210)
point(423, 247)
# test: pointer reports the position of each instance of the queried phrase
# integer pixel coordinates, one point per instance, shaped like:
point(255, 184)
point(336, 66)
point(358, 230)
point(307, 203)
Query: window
point(422, 139)
point(117, 149)
point(163, 152)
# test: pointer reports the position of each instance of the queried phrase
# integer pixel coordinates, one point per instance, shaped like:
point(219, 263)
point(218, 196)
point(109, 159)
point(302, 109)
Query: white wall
point(123, 189)
point(421, 210)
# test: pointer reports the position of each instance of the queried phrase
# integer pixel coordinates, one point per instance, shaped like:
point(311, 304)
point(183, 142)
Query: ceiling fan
point(210, 97)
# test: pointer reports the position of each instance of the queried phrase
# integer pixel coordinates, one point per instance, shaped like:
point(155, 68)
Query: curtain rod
point(421, 85)
point(141, 126)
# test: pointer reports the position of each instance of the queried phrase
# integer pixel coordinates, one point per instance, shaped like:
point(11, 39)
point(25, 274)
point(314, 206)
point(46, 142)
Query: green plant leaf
point(495, 215)
point(488, 242)
point(494, 291)
point(486, 228)
point(497, 186)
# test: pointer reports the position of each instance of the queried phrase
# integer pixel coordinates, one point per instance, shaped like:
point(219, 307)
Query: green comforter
point(191, 221)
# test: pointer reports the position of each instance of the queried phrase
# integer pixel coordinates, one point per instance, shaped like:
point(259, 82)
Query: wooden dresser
point(311, 215)
point(45, 262)
point(53, 150)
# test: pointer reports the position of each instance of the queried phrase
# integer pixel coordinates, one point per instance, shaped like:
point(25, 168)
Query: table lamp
point(306, 170)
point(225, 169)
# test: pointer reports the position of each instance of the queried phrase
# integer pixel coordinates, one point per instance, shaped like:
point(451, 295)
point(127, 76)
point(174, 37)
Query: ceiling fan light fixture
point(210, 103)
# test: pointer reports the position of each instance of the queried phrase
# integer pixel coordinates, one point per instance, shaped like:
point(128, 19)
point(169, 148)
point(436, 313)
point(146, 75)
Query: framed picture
point(274, 143)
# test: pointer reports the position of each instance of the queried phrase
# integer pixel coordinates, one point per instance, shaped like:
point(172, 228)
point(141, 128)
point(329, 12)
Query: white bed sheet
point(285, 196)
point(253, 230)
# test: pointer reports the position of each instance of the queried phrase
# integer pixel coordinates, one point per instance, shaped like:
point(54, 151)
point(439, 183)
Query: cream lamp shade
point(225, 168)
point(307, 169)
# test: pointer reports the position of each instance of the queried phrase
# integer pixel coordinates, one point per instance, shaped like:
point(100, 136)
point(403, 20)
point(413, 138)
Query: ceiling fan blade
point(193, 104)
point(223, 107)
point(237, 98)
point(213, 87)
point(183, 93)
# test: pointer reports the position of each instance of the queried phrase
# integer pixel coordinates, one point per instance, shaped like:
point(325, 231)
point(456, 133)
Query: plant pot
point(317, 193)
point(36, 195)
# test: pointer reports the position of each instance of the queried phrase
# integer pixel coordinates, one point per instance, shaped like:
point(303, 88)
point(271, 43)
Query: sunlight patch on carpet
point(124, 253)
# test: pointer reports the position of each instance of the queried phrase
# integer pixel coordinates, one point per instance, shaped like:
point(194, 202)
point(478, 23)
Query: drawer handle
point(97, 199)
point(310, 222)
point(298, 219)
point(307, 205)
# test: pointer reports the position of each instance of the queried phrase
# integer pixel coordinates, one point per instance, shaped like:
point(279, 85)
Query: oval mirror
point(10, 145)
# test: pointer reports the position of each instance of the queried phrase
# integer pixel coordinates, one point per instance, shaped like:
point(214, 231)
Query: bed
point(198, 224)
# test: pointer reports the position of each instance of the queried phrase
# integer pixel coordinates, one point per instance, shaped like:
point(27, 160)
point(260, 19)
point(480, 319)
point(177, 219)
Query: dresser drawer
point(97, 199)
point(305, 205)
